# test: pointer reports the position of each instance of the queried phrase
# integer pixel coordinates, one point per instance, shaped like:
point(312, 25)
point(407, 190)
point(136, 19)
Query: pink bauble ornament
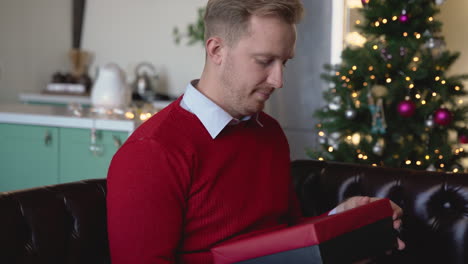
point(442, 116)
point(463, 139)
point(365, 2)
point(406, 108)
point(404, 18)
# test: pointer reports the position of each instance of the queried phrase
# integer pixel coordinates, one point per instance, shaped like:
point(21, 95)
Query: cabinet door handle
point(95, 148)
point(47, 138)
point(117, 141)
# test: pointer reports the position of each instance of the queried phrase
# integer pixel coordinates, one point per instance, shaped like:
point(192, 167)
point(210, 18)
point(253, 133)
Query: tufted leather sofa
point(66, 224)
point(61, 224)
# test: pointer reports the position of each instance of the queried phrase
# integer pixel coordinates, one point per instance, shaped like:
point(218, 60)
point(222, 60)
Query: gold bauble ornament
point(379, 91)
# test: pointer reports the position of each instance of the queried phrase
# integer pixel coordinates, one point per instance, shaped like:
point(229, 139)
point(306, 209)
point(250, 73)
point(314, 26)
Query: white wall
point(35, 37)
point(455, 30)
point(129, 32)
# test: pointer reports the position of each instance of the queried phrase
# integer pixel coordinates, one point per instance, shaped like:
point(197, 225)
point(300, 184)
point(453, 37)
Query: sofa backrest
point(435, 204)
point(66, 224)
point(61, 224)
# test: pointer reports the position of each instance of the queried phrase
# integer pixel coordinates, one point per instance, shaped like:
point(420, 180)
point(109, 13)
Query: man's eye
point(264, 62)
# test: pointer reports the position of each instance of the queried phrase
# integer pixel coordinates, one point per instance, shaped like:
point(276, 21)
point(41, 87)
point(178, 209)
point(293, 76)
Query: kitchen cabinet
point(33, 155)
point(42, 145)
point(28, 156)
point(86, 153)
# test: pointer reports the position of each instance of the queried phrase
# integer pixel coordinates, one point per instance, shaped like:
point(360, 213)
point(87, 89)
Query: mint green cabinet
point(32, 156)
point(28, 156)
point(85, 156)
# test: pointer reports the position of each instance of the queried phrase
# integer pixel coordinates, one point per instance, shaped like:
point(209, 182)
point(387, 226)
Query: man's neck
point(208, 87)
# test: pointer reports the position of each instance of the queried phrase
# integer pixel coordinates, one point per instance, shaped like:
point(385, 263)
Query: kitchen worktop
point(66, 99)
point(62, 116)
point(52, 98)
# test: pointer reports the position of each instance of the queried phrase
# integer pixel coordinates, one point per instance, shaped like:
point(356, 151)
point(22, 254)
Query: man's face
point(252, 69)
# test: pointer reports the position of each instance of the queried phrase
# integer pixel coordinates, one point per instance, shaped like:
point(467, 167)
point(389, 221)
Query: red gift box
point(352, 235)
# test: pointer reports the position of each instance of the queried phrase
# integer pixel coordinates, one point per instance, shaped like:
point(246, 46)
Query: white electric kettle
point(110, 90)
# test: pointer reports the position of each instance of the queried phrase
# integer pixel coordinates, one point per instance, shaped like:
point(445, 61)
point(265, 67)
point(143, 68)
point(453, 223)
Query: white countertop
point(51, 98)
point(66, 99)
point(61, 116)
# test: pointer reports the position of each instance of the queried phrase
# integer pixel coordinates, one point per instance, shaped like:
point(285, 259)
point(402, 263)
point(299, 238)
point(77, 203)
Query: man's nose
point(275, 78)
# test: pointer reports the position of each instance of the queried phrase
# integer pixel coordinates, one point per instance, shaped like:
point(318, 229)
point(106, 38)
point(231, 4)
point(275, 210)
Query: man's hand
point(357, 201)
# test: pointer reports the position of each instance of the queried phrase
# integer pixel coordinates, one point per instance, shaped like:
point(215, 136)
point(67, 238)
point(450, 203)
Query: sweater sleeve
point(147, 187)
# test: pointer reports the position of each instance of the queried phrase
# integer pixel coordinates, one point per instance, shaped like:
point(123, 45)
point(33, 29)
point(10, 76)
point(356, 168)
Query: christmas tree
point(390, 101)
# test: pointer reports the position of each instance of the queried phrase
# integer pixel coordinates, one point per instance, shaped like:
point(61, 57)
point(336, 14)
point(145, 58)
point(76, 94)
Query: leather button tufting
point(28, 247)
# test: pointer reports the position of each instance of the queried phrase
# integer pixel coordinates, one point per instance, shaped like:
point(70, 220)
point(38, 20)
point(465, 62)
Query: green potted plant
point(195, 31)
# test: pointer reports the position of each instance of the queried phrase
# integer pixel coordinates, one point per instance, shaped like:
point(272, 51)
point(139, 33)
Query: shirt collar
point(213, 117)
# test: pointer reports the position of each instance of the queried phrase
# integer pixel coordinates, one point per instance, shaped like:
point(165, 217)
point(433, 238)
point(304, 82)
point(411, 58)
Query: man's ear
point(214, 49)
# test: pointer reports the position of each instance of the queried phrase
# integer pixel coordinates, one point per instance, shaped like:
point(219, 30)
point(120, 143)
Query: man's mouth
point(263, 94)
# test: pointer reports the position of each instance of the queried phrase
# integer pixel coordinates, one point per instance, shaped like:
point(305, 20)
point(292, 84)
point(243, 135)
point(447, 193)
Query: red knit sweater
point(174, 192)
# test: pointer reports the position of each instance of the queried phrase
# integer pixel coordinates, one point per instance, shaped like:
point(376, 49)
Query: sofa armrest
point(435, 221)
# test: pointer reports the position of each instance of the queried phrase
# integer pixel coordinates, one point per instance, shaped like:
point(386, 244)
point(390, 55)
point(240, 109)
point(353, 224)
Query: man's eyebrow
point(264, 54)
point(271, 55)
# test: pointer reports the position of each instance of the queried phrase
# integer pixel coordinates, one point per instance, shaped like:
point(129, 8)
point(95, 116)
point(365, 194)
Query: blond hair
point(229, 19)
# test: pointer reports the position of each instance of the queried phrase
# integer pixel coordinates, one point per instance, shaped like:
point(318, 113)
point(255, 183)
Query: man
point(212, 166)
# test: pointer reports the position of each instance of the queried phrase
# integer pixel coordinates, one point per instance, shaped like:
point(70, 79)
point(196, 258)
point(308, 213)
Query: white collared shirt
point(213, 117)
